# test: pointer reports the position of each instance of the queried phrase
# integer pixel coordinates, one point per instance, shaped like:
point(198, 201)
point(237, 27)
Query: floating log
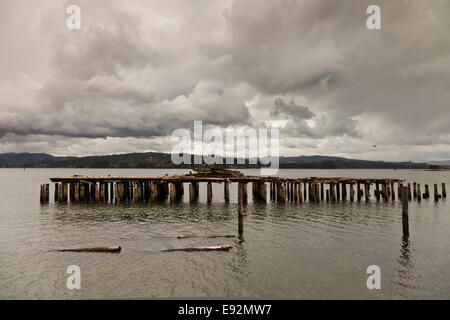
point(209, 237)
point(97, 249)
point(222, 247)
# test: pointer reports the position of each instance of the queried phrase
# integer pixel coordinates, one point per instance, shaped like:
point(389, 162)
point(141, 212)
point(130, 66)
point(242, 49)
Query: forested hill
point(163, 160)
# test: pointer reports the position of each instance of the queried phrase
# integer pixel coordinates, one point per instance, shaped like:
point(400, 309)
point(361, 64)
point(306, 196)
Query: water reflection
point(239, 263)
point(405, 263)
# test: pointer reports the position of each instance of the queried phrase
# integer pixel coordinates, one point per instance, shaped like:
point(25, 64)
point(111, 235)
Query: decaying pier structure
point(118, 189)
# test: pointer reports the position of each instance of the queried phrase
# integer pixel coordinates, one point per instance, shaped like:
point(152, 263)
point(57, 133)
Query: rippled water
point(303, 250)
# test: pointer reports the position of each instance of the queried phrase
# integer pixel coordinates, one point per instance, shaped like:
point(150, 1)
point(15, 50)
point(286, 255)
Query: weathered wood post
point(344, 191)
point(288, 191)
point(173, 192)
point(426, 195)
point(377, 191)
point(282, 197)
point(305, 191)
point(444, 192)
point(240, 208)
point(244, 193)
point(111, 192)
point(72, 191)
point(116, 192)
point(226, 191)
point(436, 194)
point(42, 194)
point(61, 192)
point(358, 191)
point(352, 192)
point(393, 191)
point(56, 192)
point(96, 192)
point(414, 190)
point(270, 191)
point(333, 192)
point(405, 222)
point(409, 192)
point(300, 193)
point(322, 191)
point(45, 192)
point(209, 193)
point(385, 191)
point(192, 194)
point(419, 193)
point(338, 191)
point(366, 190)
point(154, 192)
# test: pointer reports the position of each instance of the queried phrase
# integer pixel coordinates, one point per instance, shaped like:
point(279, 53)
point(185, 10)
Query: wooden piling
point(352, 192)
point(409, 192)
point(226, 191)
point(173, 193)
point(56, 192)
point(244, 193)
point(366, 191)
point(192, 195)
point(338, 191)
point(414, 190)
point(436, 194)
point(344, 191)
point(377, 191)
point(405, 219)
point(358, 191)
point(240, 208)
point(444, 192)
point(300, 193)
point(426, 195)
point(419, 193)
point(305, 191)
point(154, 192)
point(209, 192)
point(392, 191)
point(322, 191)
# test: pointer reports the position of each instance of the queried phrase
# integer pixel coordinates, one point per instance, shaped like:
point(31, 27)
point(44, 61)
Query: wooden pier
point(119, 189)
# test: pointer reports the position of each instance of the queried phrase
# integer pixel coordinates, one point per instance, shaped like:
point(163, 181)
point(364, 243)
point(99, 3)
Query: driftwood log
point(224, 247)
point(211, 236)
point(97, 249)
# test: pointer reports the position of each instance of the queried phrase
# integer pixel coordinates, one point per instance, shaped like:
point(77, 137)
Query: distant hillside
point(163, 160)
point(445, 163)
point(22, 159)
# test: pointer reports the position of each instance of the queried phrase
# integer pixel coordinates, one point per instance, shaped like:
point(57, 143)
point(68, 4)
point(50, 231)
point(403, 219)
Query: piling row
point(314, 190)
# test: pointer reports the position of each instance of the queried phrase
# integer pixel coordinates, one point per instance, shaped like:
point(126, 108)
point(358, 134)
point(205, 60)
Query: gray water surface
point(303, 250)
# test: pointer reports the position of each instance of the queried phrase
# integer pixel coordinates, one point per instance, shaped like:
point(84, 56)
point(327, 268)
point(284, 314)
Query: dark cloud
point(139, 70)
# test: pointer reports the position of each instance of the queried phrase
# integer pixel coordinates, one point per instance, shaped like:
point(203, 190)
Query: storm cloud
point(137, 70)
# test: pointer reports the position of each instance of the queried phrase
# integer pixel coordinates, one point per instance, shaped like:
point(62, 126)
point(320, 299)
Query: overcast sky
point(137, 70)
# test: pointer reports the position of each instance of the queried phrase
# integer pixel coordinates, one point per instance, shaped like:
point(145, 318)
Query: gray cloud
point(140, 70)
